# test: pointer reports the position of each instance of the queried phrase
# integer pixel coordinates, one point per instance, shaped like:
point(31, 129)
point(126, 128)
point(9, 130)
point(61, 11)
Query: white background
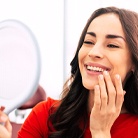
point(57, 25)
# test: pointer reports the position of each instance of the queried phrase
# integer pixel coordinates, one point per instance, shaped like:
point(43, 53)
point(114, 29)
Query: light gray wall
point(57, 24)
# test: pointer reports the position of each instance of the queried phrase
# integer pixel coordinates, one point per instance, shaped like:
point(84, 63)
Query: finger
point(1, 114)
point(104, 97)
point(110, 89)
point(3, 117)
point(120, 92)
point(8, 126)
point(97, 99)
point(5, 121)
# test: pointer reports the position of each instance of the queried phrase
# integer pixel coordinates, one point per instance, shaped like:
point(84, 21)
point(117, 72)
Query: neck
point(90, 100)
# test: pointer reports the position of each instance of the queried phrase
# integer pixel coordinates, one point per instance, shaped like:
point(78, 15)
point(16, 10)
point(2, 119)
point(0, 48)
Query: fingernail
point(106, 72)
point(101, 77)
point(117, 76)
point(97, 87)
point(2, 108)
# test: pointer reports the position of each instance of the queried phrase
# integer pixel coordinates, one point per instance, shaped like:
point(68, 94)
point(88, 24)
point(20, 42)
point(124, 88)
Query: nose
point(96, 51)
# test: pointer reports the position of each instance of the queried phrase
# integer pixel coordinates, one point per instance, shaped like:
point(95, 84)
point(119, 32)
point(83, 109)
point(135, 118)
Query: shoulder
point(36, 123)
point(44, 106)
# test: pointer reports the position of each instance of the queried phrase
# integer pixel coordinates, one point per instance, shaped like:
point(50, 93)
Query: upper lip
point(97, 65)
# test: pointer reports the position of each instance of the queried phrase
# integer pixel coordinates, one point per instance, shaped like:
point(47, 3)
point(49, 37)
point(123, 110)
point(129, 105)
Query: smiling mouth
point(95, 69)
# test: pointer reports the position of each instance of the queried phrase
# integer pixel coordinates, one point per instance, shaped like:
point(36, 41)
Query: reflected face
point(104, 48)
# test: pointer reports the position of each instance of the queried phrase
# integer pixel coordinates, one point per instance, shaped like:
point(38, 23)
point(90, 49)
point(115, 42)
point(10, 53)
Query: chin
point(88, 86)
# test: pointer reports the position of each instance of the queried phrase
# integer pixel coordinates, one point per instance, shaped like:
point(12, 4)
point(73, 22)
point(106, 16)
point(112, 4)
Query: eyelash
point(110, 45)
point(89, 42)
point(113, 46)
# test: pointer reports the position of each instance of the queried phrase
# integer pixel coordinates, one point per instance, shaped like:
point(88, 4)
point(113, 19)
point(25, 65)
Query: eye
point(88, 42)
point(112, 46)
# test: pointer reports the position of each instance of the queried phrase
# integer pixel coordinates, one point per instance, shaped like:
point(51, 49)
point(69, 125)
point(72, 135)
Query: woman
point(101, 100)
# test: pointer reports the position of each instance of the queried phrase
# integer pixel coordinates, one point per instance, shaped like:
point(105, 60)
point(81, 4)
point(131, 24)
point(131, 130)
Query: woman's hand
point(108, 100)
point(5, 126)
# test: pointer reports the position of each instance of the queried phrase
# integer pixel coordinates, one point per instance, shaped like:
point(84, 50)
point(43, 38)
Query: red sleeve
point(35, 126)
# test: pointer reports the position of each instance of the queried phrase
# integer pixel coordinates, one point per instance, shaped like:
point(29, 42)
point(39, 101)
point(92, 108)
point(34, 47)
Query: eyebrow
point(107, 36)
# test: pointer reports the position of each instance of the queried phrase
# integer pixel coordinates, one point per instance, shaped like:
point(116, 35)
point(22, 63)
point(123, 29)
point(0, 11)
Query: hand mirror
point(19, 64)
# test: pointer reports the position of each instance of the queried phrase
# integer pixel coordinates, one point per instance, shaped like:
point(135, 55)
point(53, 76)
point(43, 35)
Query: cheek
point(81, 56)
point(83, 53)
point(123, 69)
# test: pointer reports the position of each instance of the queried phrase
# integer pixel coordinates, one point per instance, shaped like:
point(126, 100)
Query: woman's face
point(104, 48)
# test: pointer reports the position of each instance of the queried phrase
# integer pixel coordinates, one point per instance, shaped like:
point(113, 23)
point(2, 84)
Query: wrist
point(100, 134)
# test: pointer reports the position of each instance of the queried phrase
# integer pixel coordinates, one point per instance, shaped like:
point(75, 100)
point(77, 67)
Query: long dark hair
point(71, 117)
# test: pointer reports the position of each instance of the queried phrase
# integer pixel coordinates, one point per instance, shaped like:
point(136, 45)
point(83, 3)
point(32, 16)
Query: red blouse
point(125, 126)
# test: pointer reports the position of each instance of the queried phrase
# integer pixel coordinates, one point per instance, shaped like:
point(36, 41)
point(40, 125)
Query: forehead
point(107, 23)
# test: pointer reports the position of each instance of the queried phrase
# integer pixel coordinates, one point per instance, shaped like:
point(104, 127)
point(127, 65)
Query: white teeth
point(95, 68)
